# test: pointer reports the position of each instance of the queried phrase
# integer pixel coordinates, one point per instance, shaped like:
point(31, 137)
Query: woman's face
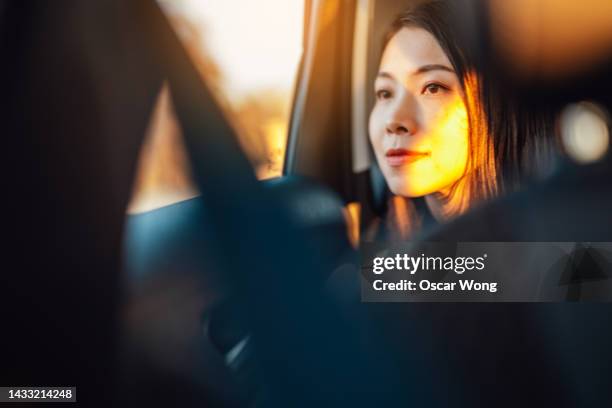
point(418, 126)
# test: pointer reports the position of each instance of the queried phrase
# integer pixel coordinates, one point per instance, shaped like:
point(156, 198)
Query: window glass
point(248, 52)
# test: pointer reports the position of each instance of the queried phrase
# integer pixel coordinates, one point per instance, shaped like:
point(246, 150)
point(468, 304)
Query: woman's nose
point(401, 120)
point(397, 128)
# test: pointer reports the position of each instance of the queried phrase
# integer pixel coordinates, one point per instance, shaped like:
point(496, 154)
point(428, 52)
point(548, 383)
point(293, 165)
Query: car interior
point(187, 304)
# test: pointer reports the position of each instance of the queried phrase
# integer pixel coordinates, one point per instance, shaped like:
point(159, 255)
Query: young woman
point(438, 131)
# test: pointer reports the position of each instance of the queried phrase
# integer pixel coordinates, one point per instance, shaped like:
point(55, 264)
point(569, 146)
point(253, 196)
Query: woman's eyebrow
point(383, 74)
point(421, 70)
point(432, 67)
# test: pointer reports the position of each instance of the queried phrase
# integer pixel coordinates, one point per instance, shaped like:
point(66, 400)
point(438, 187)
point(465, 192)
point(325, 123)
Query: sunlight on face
point(419, 124)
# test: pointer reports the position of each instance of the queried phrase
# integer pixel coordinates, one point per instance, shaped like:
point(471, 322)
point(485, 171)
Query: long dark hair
point(508, 143)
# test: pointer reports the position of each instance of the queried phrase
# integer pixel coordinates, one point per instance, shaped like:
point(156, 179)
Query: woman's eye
point(383, 94)
point(434, 89)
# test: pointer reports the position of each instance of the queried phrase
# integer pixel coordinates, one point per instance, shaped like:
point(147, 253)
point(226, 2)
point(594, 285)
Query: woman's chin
point(409, 191)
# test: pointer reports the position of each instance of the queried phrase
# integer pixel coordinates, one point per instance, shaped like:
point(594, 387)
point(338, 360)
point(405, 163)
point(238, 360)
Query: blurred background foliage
point(250, 66)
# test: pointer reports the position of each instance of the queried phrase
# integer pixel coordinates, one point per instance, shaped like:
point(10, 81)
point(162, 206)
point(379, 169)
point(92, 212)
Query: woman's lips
point(399, 157)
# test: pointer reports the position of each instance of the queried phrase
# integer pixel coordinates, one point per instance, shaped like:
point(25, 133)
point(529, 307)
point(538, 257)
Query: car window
point(248, 53)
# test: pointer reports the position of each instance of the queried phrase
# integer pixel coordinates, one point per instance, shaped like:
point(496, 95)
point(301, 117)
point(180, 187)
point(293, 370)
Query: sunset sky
point(257, 44)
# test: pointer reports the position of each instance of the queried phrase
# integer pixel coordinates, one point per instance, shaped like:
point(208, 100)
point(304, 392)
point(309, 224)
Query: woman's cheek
point(375, 131)
point(450, 142)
